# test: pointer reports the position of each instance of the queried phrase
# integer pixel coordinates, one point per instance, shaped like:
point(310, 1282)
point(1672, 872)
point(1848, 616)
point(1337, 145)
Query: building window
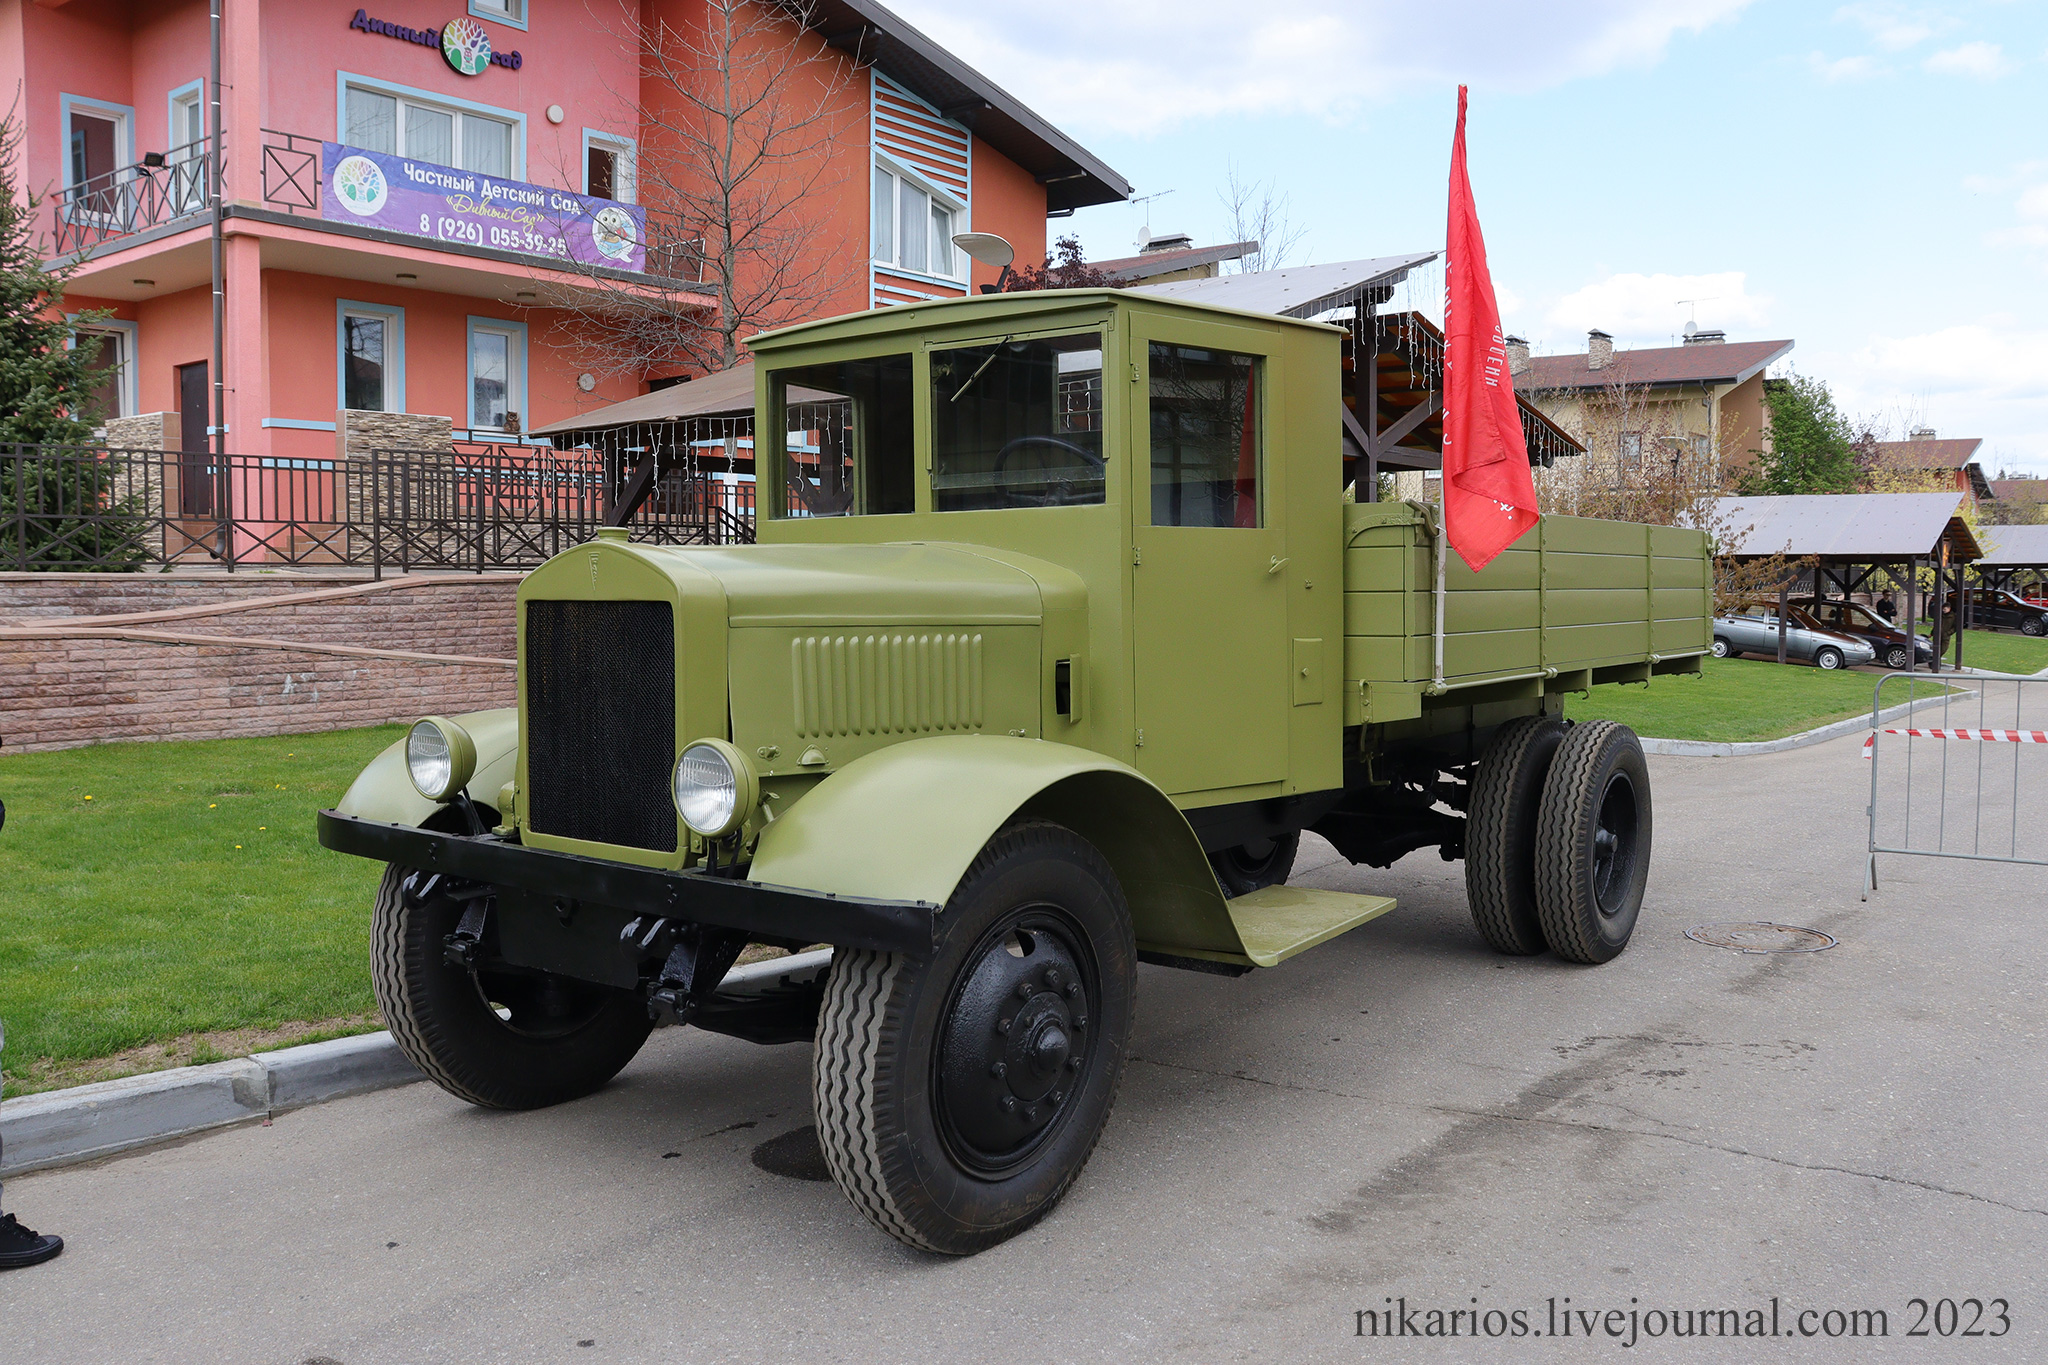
point(114, 394)
point(511, 12)
point(98, 150)
point(371, 344)
point(608, 166)
point(914, 226)
point(399, 123)
point(1631, 450)
point(497, 375)
point(186, 156)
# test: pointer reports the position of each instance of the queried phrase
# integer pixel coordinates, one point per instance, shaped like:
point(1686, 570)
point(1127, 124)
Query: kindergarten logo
point(611, 231)
point(466, 46)
point(360, 185)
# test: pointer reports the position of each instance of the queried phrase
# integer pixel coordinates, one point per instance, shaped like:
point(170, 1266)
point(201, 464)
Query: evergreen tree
point(47, 383)
point(1812, 449)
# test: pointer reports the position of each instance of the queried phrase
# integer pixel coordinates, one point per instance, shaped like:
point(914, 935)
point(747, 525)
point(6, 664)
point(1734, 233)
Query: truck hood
point(867, 585)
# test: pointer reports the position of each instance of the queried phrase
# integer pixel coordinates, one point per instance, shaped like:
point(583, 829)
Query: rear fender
point(384, 791)
point(905, 822)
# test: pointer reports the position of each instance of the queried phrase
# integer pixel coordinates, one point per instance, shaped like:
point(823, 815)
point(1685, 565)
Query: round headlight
point(440, 757)
point(715, 788)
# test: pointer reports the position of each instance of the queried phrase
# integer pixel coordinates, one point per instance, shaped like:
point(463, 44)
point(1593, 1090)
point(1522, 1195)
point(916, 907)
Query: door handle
point(1278, 563)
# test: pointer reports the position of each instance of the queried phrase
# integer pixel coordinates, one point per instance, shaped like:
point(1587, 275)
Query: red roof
point(1728, 362)
point(1144, 267)
point(2020, 490)
point(1929, 454)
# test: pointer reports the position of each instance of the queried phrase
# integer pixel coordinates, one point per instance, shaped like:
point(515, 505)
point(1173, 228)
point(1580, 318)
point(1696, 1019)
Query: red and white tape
point(1992, 736)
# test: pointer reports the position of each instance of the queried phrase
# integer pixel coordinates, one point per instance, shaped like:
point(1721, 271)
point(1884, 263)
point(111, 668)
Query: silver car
point(1753, 629)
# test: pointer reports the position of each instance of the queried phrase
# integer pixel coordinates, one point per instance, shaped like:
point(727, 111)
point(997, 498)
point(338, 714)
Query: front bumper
point(775, 912)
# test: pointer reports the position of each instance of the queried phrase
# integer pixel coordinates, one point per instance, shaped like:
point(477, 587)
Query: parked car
point(1996, 609)
point(1752, 628)
point(1852, 618)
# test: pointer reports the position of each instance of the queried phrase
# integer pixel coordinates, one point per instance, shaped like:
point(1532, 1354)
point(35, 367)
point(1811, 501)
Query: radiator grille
point(885, 684)
point(601, 721)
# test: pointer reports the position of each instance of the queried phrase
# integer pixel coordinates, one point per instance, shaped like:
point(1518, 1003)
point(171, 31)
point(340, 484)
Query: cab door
point(1209, 620)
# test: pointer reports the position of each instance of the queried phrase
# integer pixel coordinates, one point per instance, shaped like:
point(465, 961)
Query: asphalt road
point(1397, 1116)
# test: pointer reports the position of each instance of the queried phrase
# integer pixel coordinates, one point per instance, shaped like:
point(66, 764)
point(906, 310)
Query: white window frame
point(430, 99)
point(626, 151)
point(130, 334)
point(898, 172)
point(187, 182)
point(515, 370)
point(123, 117)
point(509, 12)
point(394, 352)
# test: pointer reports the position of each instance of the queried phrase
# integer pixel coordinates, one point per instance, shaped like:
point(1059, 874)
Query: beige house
point(1174, 256)
point(1694, 410)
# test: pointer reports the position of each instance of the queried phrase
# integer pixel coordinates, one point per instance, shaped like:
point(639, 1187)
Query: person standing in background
point(22, 1246)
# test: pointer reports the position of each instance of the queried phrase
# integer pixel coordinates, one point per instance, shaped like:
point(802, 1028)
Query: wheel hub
point(1013, 1048)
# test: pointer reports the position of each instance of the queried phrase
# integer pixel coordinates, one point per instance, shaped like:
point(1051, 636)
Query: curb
point(86, 1122)
point(1707, 748)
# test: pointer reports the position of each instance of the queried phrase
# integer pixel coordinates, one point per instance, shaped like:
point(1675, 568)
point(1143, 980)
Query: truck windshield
point(849, 438)
point(1018, 423)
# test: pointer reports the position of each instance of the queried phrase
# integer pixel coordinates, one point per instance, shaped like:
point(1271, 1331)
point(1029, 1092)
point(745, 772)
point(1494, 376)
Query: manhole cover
point(1761, 938)
point(795, 1155)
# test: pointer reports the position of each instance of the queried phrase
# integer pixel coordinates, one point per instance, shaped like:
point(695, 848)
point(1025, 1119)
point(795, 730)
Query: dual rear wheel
point(1557, 848)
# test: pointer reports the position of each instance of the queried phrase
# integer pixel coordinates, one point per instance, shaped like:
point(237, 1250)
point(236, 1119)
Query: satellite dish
point(986, 247)
point(1691, 327)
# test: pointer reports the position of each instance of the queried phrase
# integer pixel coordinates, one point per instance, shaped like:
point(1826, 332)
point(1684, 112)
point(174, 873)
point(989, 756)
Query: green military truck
point(1060, 629)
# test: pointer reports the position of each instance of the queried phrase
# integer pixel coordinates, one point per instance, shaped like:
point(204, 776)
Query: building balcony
point(156, 213)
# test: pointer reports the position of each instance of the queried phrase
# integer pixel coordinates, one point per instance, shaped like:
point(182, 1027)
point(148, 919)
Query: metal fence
point(474, 508)
point(1958, 769)
point(160, 188)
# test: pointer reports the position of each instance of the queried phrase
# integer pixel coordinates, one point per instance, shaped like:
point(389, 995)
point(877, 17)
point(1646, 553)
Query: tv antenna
point(1145, 234)
point(1692, 307)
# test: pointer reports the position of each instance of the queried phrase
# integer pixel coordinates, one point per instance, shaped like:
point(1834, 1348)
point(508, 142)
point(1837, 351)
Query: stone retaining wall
point(64, 692)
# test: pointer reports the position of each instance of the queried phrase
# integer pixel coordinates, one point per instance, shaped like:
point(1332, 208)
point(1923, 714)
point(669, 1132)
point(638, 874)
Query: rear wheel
point(1721, 647)
point(1829, 658)
point(959, 1096)
point(1500, 838)
point(1593, 847)
point(1262, 862)
point(505, 1038)
point(1898, 657)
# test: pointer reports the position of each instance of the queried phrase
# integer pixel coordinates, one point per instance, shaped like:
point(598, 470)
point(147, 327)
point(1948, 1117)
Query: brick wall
point(59, 693)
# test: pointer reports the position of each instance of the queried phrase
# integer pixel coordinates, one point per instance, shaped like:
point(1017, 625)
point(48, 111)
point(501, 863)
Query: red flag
point(1489, 497)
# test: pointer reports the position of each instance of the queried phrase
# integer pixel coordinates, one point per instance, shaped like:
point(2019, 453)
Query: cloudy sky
point(1868, 179)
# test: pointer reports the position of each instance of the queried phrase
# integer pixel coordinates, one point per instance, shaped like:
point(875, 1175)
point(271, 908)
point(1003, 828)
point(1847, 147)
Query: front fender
point(905, 822)
point(383, 791)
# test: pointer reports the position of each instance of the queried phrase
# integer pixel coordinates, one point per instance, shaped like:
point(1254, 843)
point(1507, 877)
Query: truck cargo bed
point(1575, 601)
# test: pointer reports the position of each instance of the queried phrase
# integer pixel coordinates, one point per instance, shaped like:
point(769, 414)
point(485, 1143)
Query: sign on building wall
point(420, 199)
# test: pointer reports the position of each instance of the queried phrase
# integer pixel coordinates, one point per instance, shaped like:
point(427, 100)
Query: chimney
point(1518, 355)
point(1169, 241)
point(1710, 336)
point(1922, 434)
point(1599, 349)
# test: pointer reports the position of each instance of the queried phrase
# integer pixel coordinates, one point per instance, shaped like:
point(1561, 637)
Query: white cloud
point(1985, 378)
point(1646, 309)
point(1148, 65)
point(1836, 69)
point(1984, 60)
point(1894, 27)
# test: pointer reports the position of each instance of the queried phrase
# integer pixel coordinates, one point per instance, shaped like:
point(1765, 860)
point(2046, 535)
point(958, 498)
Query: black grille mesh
point(601, 721)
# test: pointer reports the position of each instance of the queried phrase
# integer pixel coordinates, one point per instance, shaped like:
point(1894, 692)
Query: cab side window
point(849, 438)
point(1205, 437)
point(1018, 424)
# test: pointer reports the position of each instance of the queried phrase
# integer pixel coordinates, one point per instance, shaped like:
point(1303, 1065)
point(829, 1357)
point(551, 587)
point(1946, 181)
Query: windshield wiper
point(994, 351)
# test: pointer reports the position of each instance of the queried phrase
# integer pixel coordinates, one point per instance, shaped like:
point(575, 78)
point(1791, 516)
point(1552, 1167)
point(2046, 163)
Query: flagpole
point(1436, 678)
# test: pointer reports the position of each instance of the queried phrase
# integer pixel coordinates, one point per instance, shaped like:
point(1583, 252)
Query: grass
point(1736, 700)
point(161, 897)
point(2003, 651)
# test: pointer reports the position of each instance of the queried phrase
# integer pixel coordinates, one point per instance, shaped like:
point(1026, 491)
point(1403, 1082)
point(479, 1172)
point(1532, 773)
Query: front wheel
point(1829, 658)
point(2034, 625)
point(1593, 847)
point(1898, 658)
point(503, 1038)
point(959, 1096)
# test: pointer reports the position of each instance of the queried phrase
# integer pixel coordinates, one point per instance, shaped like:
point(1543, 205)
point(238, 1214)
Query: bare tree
point(1259, 214)
point(739, 109)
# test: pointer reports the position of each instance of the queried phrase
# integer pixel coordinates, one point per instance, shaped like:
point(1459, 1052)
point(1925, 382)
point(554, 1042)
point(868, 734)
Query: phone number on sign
point(478, 234)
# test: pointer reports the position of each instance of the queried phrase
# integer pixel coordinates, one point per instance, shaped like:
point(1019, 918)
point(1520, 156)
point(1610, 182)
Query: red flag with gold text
point(1489, 496)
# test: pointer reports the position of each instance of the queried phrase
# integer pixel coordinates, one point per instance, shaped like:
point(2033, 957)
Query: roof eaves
point(1744, 375)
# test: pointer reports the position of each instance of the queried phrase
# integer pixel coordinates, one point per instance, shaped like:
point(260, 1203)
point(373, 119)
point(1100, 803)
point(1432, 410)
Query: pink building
point(520, 124)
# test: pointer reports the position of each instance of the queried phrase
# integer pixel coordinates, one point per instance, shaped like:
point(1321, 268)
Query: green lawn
point(1738, 700)
point(153, 891)
point(2002, 651)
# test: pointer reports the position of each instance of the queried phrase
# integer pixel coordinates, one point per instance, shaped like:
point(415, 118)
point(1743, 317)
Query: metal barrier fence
point(490, 507)
point(1964, 776)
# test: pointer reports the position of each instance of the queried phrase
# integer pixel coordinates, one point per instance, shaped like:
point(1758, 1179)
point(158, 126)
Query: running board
point(1276, 922)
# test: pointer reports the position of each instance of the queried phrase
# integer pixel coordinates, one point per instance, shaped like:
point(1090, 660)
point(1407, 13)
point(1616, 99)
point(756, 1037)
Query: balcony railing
point(162, 188)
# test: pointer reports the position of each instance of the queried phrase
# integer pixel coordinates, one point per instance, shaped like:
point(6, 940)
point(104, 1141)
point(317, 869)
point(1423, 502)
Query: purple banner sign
point(420, 199)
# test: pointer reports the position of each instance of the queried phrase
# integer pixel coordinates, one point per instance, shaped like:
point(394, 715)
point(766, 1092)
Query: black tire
point(1248, 867)
point(2036, 626)
point(1829, 658)
point(1593, 846)
point(1898, 658)
point(948, 1125)
point(1500, 833)
point(1721, 648)
point(563, 1039)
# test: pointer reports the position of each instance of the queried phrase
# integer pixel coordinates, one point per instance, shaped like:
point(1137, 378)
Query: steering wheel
point(1062, 492)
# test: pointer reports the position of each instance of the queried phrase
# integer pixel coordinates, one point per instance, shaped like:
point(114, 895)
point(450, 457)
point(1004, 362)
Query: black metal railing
point(162, 188)
point(291, 171)
point(476, 507)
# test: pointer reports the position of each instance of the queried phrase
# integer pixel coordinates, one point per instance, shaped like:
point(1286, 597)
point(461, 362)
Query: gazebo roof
point(1869, 528)
point(2015, 547)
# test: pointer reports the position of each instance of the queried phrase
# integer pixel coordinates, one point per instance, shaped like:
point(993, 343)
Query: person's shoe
point(20, 1246)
